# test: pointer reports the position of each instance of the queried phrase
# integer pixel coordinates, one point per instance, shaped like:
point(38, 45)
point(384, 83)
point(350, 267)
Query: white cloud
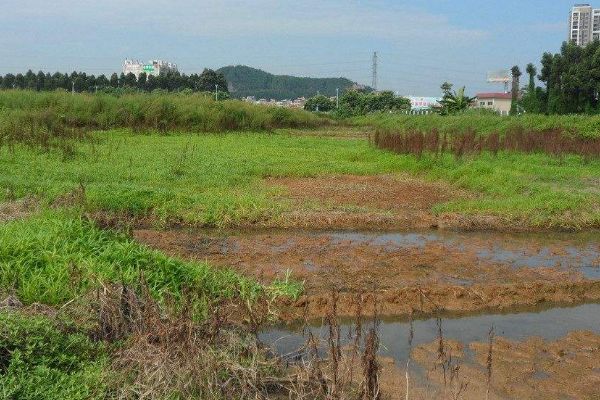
point(227, 18)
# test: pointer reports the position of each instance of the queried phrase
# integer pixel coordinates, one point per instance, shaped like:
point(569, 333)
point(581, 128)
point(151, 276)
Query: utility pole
point(374, 83)
point(217, 92)
point(337, 97)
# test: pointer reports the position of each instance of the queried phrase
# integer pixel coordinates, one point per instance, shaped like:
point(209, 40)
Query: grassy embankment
point(94, 279)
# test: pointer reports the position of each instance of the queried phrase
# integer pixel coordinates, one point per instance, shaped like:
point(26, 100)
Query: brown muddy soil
point(400, 273)
point(368, 202)
point(567, 368)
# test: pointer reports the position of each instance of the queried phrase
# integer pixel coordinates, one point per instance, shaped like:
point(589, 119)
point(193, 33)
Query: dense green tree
point(141, 81)
point(360, 102)
point(319, 103)
point(8, 82)
point(114, 80)
point(30, 80)
point(572, 80)
point(172, 81)
point(530, 100)
point(209, 80)
point(20, 81)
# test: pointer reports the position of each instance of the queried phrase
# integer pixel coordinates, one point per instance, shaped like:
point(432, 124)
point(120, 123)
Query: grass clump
point(39, 359)
point(55, 257)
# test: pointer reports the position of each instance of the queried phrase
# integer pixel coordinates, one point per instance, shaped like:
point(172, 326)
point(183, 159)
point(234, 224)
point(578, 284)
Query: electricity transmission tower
point(374, 84)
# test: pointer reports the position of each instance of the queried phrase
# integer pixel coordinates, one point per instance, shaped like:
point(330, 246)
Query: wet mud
point(403, 272)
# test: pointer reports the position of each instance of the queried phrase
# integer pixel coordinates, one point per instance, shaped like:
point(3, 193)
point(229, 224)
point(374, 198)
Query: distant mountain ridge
point(247, 81)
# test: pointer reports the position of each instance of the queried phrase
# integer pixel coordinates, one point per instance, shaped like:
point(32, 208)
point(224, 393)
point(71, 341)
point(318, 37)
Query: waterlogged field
point(148, 242)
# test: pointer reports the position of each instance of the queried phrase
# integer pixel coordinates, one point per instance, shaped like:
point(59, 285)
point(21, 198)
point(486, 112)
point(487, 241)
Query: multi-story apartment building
point(584, 24)
point(154, 67)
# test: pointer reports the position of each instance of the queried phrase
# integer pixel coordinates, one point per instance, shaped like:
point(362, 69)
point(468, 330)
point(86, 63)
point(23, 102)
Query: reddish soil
point(364, 202)
point(531, 369)
point(425, 277)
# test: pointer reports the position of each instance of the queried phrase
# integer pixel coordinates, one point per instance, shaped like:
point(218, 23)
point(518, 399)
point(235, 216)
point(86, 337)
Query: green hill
point(246, 81)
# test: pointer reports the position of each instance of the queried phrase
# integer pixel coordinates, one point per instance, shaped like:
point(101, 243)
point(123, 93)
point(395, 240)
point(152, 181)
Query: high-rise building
point(154, 67)
point(584, 24)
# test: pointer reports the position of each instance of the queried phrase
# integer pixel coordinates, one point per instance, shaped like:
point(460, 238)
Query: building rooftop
point(501, 95)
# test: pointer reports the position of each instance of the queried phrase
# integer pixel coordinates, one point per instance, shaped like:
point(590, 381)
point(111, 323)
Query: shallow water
point(549, 324)
point(558, 250)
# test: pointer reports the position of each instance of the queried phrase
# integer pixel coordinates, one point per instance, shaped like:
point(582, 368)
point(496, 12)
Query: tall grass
point(48, 119)
point(473, 133)
point(484, 123)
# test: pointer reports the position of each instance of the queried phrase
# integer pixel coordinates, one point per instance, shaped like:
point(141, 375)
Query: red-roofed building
point(499, 102)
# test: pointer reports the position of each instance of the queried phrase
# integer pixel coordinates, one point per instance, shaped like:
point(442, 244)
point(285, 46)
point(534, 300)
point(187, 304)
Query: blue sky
point(420, 43)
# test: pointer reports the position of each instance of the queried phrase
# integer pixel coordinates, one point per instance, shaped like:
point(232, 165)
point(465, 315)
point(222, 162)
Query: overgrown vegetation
point(53, 119)
point(39, 359)
point(217, 180)
point(54, 258)
point(484, 123)
point(118, 319)
point(476, 132)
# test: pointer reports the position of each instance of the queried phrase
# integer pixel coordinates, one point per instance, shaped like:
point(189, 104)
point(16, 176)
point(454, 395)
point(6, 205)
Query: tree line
point(358, 102)
point(571, 81)
point(82, 82)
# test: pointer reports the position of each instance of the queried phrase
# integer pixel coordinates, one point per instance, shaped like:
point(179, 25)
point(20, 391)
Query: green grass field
point(216, 179)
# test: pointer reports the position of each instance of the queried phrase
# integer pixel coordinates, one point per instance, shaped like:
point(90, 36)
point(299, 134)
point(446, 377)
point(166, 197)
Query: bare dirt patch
point(404, 273)
point(368, 202)
point(17, 209)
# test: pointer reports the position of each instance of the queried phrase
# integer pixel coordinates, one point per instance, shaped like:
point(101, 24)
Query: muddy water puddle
point(560, 250)
point(536, 354)
point(550, 324)
point(459, 258)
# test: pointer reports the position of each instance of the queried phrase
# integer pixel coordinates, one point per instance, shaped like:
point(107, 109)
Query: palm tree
point(516, 73)
point(531, 70)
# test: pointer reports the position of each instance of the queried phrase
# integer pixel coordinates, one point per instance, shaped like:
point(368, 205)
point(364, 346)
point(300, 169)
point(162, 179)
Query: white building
point(584, 24)
point(154, 67)
point(423, 103)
